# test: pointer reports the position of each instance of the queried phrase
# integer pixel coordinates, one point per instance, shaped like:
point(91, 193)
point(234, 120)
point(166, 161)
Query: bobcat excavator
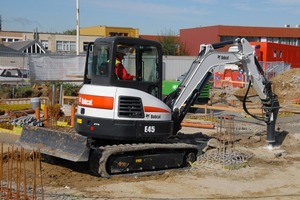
point(124, 126)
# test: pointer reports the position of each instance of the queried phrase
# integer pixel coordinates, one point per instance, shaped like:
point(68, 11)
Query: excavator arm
point(202, 68)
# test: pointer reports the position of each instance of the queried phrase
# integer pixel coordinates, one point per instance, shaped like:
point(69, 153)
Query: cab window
point(102, 56)
point(139, 61)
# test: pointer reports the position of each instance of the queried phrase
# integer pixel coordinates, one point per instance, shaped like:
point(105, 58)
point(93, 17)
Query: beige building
point(61, 43)
point(10, 36)
point(52, 42)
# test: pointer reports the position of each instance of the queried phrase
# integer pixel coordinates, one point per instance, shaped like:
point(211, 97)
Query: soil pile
point(286, 85)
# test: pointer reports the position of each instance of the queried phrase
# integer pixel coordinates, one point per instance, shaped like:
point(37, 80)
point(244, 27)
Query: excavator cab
point(111, 107)
point(142, 59)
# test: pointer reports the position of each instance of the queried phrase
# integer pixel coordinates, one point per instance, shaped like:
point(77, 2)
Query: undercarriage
point(141, 158)
point(106, 160)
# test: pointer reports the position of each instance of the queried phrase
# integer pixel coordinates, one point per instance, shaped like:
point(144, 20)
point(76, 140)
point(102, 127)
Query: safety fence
point(238, 78)
point(46, 67)
point(70, 68)
point(16, 59)
point(274, 68)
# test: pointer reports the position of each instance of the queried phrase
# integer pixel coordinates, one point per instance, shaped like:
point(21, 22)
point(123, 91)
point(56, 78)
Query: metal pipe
point(46, 115)
point(77, 28)
point(53, 94)
point(61, 91)
point(73, 110)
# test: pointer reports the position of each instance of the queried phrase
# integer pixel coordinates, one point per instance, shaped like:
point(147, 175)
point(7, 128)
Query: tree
point(70, 32)
point(171, 43)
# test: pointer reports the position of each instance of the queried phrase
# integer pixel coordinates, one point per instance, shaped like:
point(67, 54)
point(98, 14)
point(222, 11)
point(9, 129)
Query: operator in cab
point(120, 70)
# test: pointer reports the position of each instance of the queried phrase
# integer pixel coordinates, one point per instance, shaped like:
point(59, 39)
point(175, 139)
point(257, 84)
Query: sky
point(153, 17)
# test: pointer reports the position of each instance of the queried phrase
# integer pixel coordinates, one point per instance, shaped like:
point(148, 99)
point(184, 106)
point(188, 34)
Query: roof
point(252, 31)
point(260, 31)
point(23, 45)
point(7, 49)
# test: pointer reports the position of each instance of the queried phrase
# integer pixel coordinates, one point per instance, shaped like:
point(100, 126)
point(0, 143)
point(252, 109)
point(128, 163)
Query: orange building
point(274, 52)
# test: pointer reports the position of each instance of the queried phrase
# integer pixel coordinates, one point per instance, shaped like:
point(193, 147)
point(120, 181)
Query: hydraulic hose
point(245, 107)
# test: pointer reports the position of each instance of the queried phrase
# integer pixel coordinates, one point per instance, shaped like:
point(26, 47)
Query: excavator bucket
point(57, 143)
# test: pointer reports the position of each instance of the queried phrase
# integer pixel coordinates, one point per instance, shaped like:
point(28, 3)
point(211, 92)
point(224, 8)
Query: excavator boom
point(202, 68)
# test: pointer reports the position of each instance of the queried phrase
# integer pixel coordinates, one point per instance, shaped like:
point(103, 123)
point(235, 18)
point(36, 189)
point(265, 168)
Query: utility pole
point(77, 28)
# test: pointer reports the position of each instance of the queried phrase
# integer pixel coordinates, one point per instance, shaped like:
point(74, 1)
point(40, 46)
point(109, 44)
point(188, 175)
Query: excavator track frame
point(142, 159)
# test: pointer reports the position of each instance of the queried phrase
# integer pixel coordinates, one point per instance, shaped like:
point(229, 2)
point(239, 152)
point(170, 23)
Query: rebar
point(226, 154)
point(229, 161)
point(1, 167)
point(14, 177)
point(41, 177)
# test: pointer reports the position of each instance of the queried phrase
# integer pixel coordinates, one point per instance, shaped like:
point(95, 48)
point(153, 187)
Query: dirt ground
point(267, 174)
point(264, 174)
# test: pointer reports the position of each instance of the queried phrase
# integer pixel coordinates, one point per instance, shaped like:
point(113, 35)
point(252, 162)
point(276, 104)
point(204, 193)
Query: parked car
point(14, 76)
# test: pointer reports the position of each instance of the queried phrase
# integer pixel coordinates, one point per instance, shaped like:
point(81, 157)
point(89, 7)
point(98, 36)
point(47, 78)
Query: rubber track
point(107, 151)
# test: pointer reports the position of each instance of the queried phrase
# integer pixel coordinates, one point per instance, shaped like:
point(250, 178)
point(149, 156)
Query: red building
point(193, 37)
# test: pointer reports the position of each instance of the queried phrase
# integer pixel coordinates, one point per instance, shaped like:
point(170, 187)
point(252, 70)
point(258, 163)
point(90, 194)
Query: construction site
point(116, 138)
point(235, 164)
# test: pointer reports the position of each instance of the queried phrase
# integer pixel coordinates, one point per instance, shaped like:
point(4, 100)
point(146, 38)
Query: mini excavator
point(125, 126)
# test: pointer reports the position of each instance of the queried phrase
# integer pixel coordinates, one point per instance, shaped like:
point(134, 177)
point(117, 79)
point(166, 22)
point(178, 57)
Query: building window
point(285, 41)
point(269, 39)
point(45, 44)
point(293, 41)
point(85, 46)
point(66, 46)
point(280, 54)
point(252, 39)
point(72, 46)
point(9, 39)
point(117, 34)
point(59, 46)
point(226, 38)
point(263, 39)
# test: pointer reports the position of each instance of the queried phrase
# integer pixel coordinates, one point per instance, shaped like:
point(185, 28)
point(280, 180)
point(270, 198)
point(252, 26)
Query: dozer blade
point(69, 146)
